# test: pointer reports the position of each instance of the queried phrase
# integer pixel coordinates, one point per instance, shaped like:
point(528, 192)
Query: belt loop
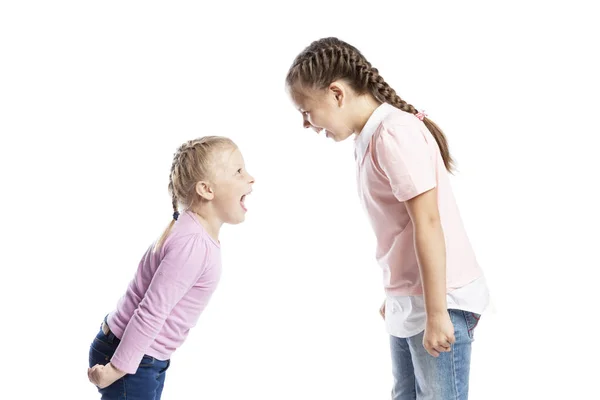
point(110, 336)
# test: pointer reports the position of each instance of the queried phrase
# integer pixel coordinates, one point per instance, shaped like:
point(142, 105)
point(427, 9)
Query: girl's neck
point(362, 110)
point(209, 221)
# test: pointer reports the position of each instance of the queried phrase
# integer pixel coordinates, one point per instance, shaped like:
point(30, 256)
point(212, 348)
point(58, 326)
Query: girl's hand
point(382, 310)
point(439, 334)
point(104, 375)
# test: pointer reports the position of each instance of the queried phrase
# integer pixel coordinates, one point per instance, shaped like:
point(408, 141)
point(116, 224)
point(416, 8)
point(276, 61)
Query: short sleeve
point(405, 157)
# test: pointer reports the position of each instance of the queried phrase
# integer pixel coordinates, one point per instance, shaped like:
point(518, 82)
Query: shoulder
point(188, 245)
point(400, 124)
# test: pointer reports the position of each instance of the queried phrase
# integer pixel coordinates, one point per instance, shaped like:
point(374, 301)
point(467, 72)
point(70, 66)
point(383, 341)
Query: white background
point(96, 97)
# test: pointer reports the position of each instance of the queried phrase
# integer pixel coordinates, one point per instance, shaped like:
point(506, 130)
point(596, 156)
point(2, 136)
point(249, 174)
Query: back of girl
point(176, 276)
point(434, 286)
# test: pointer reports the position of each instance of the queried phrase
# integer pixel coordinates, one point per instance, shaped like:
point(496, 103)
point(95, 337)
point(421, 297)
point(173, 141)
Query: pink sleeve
point(406, 159)
point(182, 265)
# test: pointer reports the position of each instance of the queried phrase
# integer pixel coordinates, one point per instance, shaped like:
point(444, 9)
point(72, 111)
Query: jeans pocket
point(472, 319)
point(98, 355)
point(147, 361)
point(101, 346)
point(166, 367)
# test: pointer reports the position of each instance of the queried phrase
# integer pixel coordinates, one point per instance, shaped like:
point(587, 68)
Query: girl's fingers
point(434, 352)
point(442, 349)
point(452, 339)
point(95, 373)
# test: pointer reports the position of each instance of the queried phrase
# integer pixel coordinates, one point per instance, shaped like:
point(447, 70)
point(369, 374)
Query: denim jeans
point(146, 384)
point(420, 376)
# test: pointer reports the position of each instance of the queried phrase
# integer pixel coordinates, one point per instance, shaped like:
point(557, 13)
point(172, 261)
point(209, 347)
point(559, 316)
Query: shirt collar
point(361, 143)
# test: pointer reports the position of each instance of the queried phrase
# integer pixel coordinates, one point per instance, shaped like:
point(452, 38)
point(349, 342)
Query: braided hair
point(327, 60)
point(192, 163)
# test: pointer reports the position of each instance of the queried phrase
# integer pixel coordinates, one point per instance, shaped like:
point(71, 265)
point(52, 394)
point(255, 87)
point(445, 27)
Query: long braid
point(330, 59)
point(384, 92)
point(174, 176)
point(173, 195)
point(387, 93)
point(180, 173)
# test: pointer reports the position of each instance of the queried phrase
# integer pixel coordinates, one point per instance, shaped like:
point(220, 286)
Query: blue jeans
point(146, 384)
point(418, 375)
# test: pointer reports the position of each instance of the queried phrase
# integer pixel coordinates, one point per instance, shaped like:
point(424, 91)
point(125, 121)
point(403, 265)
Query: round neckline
point(196, 219)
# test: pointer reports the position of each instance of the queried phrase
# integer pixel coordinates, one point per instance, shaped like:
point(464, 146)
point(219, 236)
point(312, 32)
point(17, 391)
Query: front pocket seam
point(148, 364)
point(106, 357)
point(102, 341)
point(468, 323)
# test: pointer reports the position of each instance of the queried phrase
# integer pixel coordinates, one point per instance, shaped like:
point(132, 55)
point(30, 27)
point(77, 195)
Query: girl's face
point(324, 111)
point(231, 185)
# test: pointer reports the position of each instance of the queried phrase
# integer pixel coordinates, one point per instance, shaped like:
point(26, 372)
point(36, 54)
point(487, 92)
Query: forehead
point(305, 98)
point(227, 157)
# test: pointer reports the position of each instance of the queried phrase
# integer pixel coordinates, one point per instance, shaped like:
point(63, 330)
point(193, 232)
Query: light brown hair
point(327, 60)
point(192, 162)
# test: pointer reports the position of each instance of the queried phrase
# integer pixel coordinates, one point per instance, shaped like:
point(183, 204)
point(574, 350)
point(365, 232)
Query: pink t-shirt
point(165, 298)
point(398, 159)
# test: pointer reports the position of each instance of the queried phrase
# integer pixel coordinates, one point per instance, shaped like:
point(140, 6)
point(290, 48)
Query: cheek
point(225, 195)
point(318, 119)
point(329, 117)
point(231, 198)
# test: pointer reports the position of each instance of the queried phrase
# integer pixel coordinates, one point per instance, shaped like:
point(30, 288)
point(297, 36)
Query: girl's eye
point(239, 171)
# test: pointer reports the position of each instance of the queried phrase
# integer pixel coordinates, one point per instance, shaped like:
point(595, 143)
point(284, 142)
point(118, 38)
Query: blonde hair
point(192, 162)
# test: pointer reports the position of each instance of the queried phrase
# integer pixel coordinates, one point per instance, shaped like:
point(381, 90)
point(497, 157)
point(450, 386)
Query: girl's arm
point(430, 248)
point(184, 262)
point(431, 255)
point(406, 159)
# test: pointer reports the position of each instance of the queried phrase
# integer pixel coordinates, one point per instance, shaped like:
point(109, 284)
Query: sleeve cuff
point(129, 368)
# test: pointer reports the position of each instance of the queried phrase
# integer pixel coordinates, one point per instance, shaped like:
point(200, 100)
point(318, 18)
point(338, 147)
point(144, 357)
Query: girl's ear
point(204, 190)
point(339, 93)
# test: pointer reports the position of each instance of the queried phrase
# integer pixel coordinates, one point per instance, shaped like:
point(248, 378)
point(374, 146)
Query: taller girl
point(435, 289)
